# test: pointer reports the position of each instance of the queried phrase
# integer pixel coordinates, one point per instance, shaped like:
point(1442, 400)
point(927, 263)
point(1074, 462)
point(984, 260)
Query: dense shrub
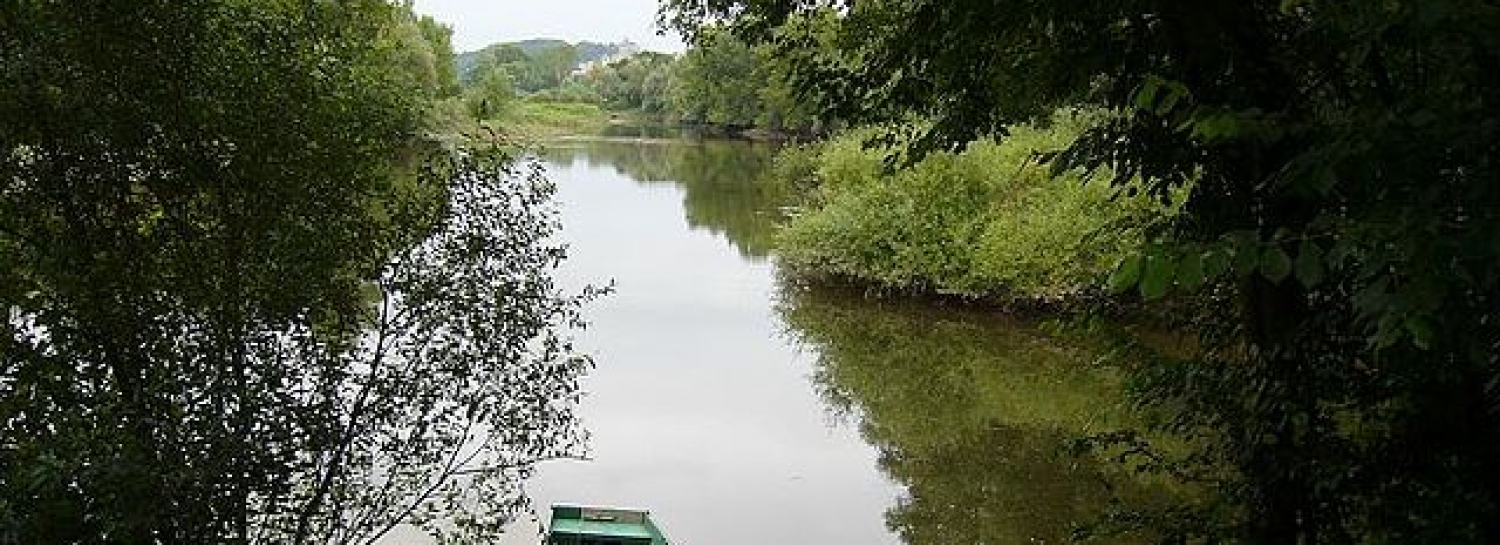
point(568, 91)
point(990, 221)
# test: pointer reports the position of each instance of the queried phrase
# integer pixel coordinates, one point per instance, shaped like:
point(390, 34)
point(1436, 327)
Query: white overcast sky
point(477, 23)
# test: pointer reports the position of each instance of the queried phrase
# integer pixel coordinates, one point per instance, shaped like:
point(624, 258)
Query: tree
point(465, 380)
point(439, 39)
point(717, 82)
point(491, 97)
point(1341, 209)
point(656, 88)
point(216, 263)
point(496, 57)
point(722, 80)
point(554, 65)
point(547, 67)
point(638, 82)
point(417, 55)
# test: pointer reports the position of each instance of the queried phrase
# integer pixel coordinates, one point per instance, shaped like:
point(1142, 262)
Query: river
point(740, 411)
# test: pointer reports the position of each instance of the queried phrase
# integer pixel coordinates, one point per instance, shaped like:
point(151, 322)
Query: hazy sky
point(477, 23)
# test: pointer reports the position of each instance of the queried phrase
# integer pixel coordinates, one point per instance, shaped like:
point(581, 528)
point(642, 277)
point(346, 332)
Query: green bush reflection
point(972, 414)
point(725, 187)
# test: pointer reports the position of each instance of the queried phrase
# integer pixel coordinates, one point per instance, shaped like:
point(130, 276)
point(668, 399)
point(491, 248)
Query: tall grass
point(541, 119)
point(990, 221)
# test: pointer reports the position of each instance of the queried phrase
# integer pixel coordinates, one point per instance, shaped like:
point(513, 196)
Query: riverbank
point(537, 120)
point(552, 120)
point(987, 224)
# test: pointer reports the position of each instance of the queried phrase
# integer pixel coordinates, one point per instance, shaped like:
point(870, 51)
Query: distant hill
point(588, 52)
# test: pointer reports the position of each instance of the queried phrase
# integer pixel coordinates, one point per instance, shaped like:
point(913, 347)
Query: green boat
point(578, 525)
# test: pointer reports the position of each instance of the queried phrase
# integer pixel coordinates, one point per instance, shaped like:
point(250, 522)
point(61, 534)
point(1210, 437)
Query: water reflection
point(636, 130)
point(698, 410)
point(970, 413)
point(725, 189)
point(701, 411)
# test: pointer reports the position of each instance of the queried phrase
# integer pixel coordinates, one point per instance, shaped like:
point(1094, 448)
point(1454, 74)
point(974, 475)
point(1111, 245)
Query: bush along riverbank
point(991, 223)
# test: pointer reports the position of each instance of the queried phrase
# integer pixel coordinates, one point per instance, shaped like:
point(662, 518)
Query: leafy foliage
point(1341, 156)
point(986, 222)
point(639, 82)
point(491, 97)
point(233, 311)
point(530, 71)
point(465, 379)
point(721, 80)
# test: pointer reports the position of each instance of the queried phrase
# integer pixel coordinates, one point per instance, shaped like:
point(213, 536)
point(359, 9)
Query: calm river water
point(740, 412)
point(700, 410)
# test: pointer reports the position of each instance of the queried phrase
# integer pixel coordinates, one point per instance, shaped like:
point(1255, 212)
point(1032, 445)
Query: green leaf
point(1340, 253)
point(1217, 127)
point(1190, 272)
point(1126, 274)
point(1246, 254)
point(1156, 276)
point(1309, 264)
point(1421, 331)
point(1145, 97)
point(1216, 262)
point(1275, 264)
point(1175, 93)
point(1324, 181)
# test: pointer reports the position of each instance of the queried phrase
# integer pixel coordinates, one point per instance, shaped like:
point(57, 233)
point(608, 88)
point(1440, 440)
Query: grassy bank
point(540, 119)
point(988, 222)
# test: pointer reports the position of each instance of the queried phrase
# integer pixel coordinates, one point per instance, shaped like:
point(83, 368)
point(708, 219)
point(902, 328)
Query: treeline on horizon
point(721, 84)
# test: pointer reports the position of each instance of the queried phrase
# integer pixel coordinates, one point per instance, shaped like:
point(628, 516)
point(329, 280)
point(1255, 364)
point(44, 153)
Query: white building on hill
point(622, 50)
